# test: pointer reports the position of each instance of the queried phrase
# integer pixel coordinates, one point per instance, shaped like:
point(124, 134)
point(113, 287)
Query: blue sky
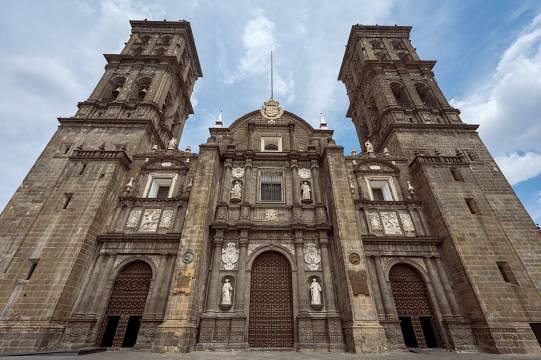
point(488, 52)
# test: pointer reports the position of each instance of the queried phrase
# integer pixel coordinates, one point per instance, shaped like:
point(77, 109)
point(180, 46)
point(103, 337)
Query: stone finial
point(188, 149)
point(219, 122)
point(129, 185)
point(386, 152)
point(353, 152)
point(411, 189)
point(369, 148)
point(172, 145)
point(322, 122)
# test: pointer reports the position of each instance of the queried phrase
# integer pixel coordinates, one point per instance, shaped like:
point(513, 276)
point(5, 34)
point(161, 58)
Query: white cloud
point(508, 106)
point(258, 40)
point(519, 167)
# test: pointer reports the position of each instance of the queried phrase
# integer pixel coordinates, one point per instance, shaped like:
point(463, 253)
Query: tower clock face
point(304, 173)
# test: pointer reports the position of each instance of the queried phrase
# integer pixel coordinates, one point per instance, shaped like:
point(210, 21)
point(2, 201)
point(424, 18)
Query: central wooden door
point(271, 302)
point(120, 325)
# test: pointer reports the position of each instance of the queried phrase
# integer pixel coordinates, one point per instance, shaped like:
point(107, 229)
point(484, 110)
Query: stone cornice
point(117, 237)
point(439, 160)
point(373, 239)
point(102, 155)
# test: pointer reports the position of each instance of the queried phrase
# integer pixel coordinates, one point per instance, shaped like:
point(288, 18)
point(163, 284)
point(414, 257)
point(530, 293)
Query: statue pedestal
point(317, 306)
point(306, 201)
point(225, 306)
point(235, 199)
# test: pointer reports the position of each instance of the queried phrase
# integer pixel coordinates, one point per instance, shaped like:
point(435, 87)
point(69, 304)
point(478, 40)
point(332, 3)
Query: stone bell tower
point(488, 240)
point(48, 229)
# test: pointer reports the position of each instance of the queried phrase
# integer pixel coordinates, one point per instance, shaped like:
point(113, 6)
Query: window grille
point(271, 187)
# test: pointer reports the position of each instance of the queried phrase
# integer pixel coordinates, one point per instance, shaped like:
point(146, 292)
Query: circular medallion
point(304, 173)
point(354, 258)
point(188, 257)
point(237, 172)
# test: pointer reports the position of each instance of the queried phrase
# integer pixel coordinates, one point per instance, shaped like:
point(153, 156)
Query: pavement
point(276, 355)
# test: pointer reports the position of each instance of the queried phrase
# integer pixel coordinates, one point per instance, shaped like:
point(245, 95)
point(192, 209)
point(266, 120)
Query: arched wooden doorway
point(271, 302)
point(413, 306)
point(122, 319)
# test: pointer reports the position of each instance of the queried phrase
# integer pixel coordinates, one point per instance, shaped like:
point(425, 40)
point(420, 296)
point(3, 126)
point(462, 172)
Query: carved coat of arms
point(312, 256)
point(230, 256)
point(271, 109)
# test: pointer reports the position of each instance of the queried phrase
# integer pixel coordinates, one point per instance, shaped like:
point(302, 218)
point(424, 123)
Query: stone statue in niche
point(227, 291)
point(369, 147)
point(172, 144)
point(236, 190)
point(306, 192)
point(315, 292)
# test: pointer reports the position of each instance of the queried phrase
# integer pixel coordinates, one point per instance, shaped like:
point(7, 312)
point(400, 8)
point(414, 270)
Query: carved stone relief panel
point(167, 219)
point(312, 256)
point(150, 220)
point(374, 220)
point(407, 222)
point(133, 219)
point(230, 256)
point(252, 247)
point(390, 223)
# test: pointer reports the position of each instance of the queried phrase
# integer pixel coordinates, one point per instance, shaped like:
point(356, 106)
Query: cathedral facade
point(269, 237)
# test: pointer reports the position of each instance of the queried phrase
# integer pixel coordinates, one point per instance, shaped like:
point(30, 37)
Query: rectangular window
point(67, 199)
point(472, 205)
point(34, 263)
point(271, 186)
point(160, 188)
point(271, 144)
point(505, 271)
point(456, 174)
point(380, 190)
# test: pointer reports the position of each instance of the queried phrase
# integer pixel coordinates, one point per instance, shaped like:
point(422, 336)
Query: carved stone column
point(213, 299)
point(98, 294)
point(315, 178)
point(292, 144)
point(250, 137)
point(90, 287)
point(241, 274)
point(438, 289)
point(157, 292)
point(448, 289)
point(296, 186)
point(327, 274)
point(302, 290)
point(249, 184)
point(376, 291)
point(390, 310)
point(226, 180)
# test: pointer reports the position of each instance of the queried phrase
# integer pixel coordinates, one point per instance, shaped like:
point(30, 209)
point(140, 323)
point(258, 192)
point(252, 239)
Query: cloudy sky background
point(488, 52)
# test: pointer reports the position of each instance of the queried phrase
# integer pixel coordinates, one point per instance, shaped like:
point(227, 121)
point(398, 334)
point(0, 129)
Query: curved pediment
point(371, 165)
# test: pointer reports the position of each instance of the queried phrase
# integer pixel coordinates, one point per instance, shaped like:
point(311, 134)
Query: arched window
point(425, 94)
point(141, 89)
point(382, 56)
point(404, 56)
point(399, 94)
point(138, 50)
point(115, 87)
point(376, 44)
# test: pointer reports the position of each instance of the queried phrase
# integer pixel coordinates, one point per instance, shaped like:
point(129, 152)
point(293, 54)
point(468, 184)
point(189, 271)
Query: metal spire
point(272, 79)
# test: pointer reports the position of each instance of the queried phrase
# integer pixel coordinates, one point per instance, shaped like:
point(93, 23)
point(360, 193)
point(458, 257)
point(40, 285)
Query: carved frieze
point(150, 220)
point(312, 256)
point(407, 222)
point(375, 222)
point(390, 223)
point(271, 215)
point(167, 219)
point(133, 219)
point(230, 256)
